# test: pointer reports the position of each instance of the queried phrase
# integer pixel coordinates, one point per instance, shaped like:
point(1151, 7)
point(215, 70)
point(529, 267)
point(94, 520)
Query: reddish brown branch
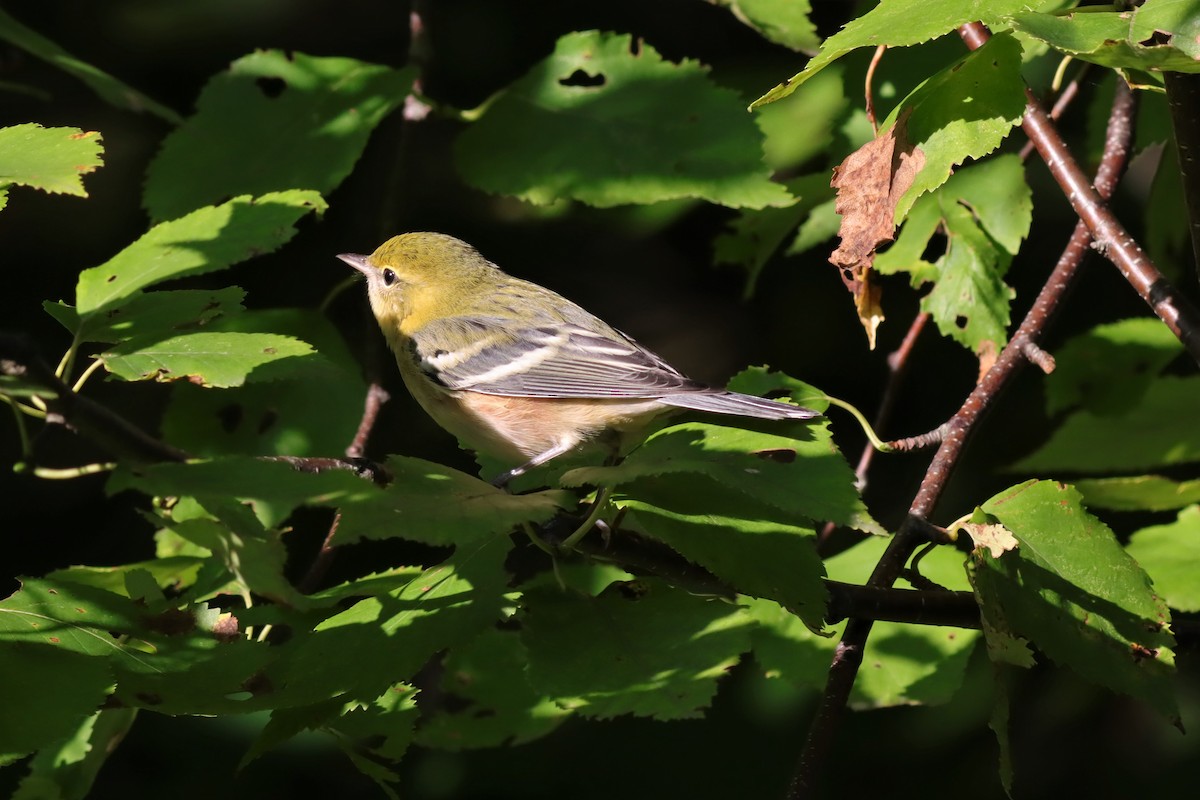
point(849, 653)
point(1183, 98)
point(1110, 236)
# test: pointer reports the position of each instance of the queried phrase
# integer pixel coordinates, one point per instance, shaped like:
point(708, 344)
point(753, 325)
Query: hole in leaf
point(1158, 38)
point(581, 78)
point(782, 455)
point(935, 248)
point(230, 417)
point(271, 87)
point(961, 322)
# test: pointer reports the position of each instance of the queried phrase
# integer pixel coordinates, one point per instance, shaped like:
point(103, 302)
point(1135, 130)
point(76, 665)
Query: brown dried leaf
point(869, 183)
point(994, 536)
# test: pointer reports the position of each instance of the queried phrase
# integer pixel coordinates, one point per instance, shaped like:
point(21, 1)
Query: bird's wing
point(553, 360)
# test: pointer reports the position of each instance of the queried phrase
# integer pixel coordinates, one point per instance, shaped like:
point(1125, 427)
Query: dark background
point(650, 273)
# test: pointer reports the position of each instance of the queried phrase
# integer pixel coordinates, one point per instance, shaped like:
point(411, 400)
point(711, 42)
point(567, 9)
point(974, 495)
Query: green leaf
point(153, 315)
point(1159, 431)
point(896, 23)
point(60, 686)
point(206, 240)
point(496, 705)
point(805, 128)
point(607, 121)
point(207, 359)
point(906, 664)
point(1169, 553)
point(805, 477)
point(67, 769)
point(312, 410)
point(1138, 493)
point(430, 503)
point(162, 659)
point(273, 489)
point(964, 112)
point(786, 648)
point(985, 211)
point(758, 550)
point(384, 725)
point(638, 648)
point(51, 159)
point(360, 652)
point(273, 121)
point(106, 86)
point(1108, 369)
point(1072, 590)
point(172, 572)
point(783, 22)
point(1159, 35)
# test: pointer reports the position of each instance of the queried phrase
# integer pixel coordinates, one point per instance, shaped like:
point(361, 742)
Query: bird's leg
point(502, 480)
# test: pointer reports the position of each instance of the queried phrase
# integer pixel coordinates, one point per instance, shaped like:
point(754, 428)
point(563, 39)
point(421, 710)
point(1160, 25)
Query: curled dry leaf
point(869, 184)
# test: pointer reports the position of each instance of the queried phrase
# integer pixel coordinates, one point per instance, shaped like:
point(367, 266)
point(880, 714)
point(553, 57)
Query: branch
point(849, 653)
point(1183, 98)
point(1110, 236)
point(19, 359)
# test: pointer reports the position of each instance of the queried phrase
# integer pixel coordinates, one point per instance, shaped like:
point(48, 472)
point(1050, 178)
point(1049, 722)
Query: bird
point(515, 370)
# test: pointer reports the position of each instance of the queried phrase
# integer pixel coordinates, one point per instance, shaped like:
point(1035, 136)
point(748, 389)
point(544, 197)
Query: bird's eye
point(389, 277)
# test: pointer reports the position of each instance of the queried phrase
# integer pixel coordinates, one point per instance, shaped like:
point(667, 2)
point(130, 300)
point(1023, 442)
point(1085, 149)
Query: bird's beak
point(356, 261)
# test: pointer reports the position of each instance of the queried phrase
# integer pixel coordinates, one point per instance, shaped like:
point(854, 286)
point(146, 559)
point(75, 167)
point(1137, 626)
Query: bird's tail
point(744, 405)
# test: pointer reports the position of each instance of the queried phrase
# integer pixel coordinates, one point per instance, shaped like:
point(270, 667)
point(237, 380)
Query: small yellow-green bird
point(513, 369)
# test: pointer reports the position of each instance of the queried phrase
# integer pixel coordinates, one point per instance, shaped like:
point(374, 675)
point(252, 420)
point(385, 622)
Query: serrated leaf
point(1138, 493)
point(207, 359)
point(806, 477)
point(985, 211)
point(61, 685)
point(962, 112)
point(273, 489)
point(153, 315)
point(51, 159)
point(272, 121)
point(757, 550)
point(1072, 590)
point(205, 240)
point(786, 648)
point(638, 648)
point(315, 412)
point(106, 86)
point(430, 503)
point(167, 660)
point(1158, 35)
point(1159, 431)
point(384, 725)
point(67, 769)
point(896, 23)
point(783, 22)
point(1109, 368)
point(496, 705)
point(606, 121)
point(358, 653)
point(172, 572)
point(1170, 554)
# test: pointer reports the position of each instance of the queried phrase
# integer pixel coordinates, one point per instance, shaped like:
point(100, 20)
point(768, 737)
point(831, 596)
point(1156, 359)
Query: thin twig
point(869, 91)
point(897, 362)
point(849, 653)
point(376, 397)
point(19, 358)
